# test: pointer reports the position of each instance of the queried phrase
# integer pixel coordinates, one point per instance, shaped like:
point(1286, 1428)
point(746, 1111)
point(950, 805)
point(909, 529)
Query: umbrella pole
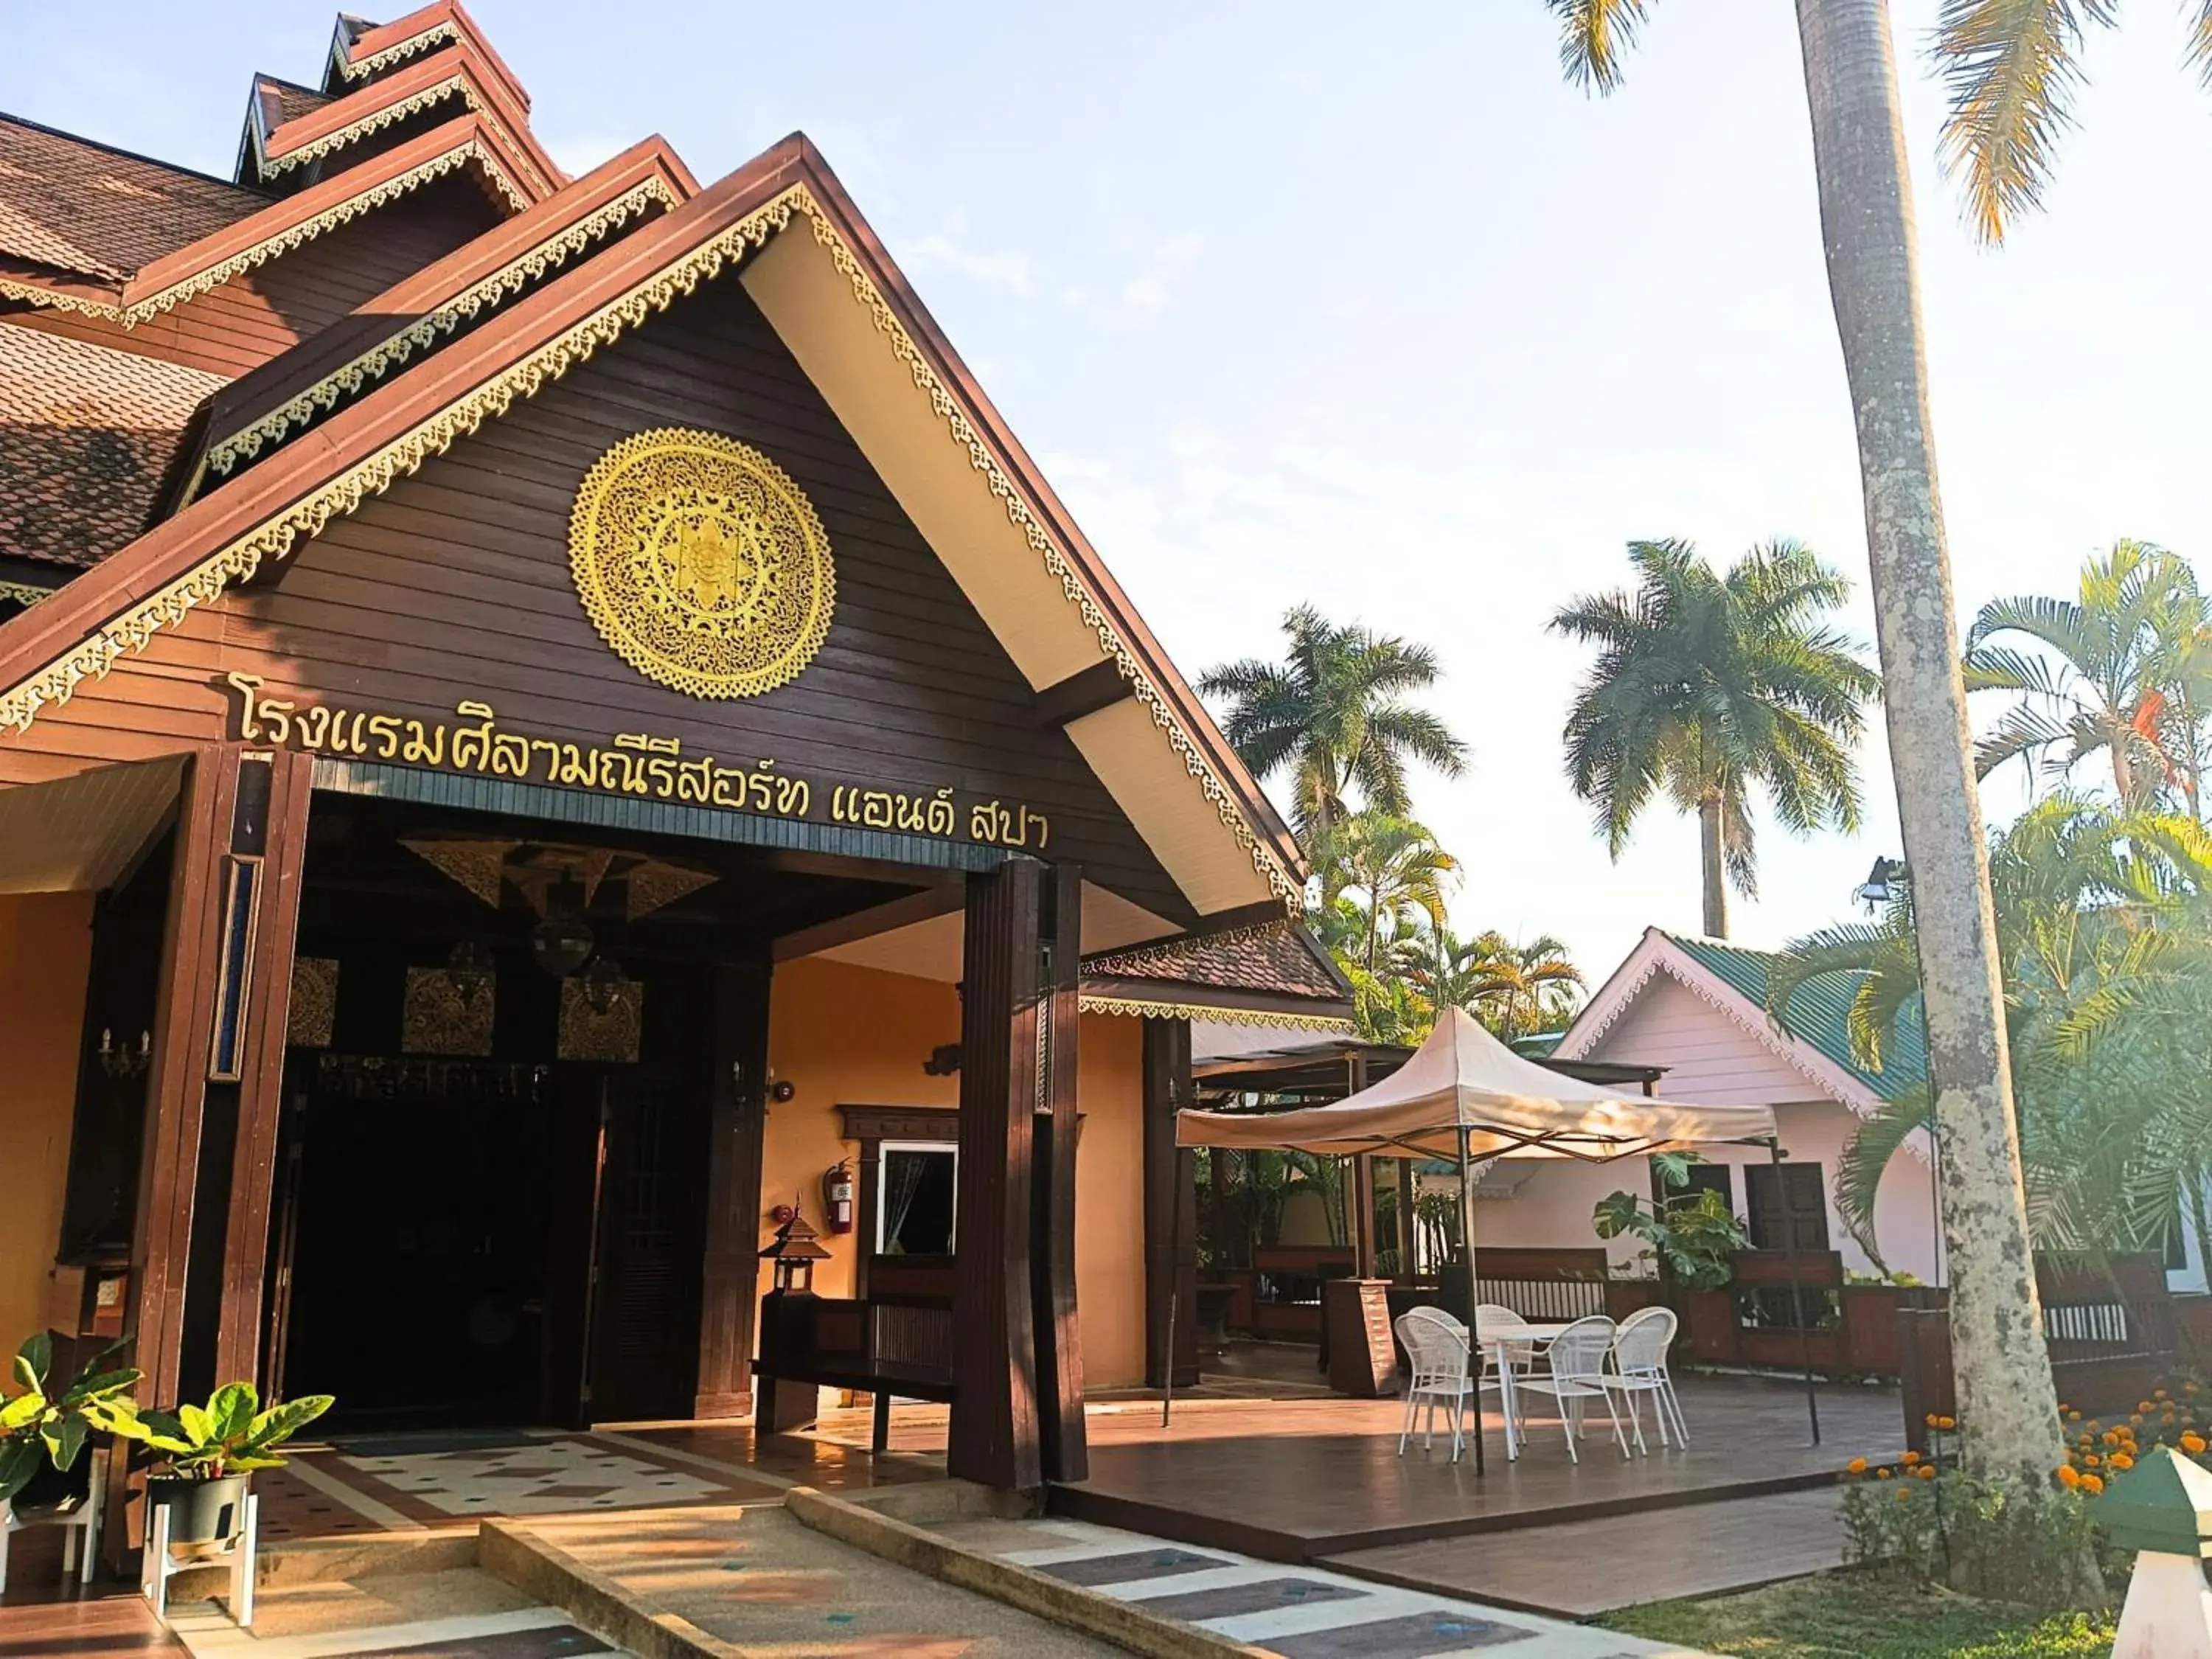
point(1467, 1250)
point(1175, 1289)
point(1796, 1289)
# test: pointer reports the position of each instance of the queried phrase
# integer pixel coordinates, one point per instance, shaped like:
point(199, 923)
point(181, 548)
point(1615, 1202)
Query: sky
point(1363, 307)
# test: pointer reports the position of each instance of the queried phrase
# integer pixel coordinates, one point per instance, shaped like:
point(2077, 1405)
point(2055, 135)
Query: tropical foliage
point(2122, 672)
point(1333, 716)
point(1707, 684)
point(1333, 719)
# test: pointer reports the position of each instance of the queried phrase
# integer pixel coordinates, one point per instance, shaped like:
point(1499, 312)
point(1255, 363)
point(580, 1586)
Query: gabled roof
point(1272, 972)
point(68, 204)
point(1815, 1039)
point(783, 226)
point(277, 226)
point(360, 50)
point(273, 404)
point(453, 77)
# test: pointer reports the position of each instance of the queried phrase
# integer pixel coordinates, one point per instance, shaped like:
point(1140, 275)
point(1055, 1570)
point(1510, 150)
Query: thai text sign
point(633, 763)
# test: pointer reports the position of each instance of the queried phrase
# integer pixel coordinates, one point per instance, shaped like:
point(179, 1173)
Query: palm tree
point(1706, 684)
point(1333, 714)
point(1864, 183)
point(1391, 872)
point(2114, 677)
point(2010, 69)
point(1519, 990)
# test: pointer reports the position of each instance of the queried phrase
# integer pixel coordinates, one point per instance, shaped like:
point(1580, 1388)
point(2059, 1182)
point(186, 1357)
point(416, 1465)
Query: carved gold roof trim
point(284, 242)
point(128, 633)
point(413, 46)
point(374, 121)
point(270, 165)
point(1285, 885)
point(382, 359)
point(1136, 1008)
point(24, 593)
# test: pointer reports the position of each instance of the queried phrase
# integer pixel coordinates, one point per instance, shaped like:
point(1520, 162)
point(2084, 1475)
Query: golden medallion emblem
point(701, 563)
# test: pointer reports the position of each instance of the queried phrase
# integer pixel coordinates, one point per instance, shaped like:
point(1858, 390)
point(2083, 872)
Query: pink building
point(1698, 1008)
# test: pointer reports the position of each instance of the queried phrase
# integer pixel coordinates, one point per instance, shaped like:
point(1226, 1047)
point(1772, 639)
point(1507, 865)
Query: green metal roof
point(1820, 1014)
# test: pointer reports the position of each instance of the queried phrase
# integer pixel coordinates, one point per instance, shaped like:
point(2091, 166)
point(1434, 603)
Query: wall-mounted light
point(124, 1061)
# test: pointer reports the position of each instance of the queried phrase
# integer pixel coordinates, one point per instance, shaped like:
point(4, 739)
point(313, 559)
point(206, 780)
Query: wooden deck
point(1304, 1480)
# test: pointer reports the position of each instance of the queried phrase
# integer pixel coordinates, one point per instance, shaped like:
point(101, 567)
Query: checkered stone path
point(541, 1478)
point(1303, 1613)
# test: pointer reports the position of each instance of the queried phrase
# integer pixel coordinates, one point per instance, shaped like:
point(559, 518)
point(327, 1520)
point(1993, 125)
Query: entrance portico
point(523, 782)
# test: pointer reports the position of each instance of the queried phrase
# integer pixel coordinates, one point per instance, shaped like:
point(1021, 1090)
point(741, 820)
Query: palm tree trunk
point(1712, 816)
point(2009, 1430)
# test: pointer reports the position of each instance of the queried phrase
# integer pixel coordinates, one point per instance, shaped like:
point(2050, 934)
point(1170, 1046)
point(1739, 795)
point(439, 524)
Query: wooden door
point(645, 1297)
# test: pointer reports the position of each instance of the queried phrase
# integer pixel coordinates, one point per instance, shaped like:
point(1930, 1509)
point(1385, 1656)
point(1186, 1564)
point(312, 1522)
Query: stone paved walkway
point(1298, 1612)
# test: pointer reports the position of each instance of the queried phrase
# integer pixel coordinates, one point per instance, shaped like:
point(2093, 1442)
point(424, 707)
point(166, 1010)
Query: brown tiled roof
point(86, 432)
point(289, 98)
point(1277, 958)
point(78, 206)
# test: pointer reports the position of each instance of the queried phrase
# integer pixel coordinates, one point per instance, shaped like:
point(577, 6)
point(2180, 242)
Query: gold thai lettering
point(640, 764)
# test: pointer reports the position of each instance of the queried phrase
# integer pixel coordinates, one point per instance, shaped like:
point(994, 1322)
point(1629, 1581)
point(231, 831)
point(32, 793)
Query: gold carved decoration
point(419, 332)
point(313, 1012)
point(701, 563)
point(273, 539)
point(1138, 1008)
point(435, 35)
point(446, 1013)
point(478, 866)
point(609, 1034)
point(214, 275)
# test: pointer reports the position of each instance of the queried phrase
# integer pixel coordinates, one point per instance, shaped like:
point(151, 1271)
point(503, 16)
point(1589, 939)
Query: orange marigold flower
point(1946, 1423)
point(2122, 1461)
point(2069, 1476)
point(2073, 1417)
point(2192, 1443)
point(1857, 1466)
point(1886, 1473)
point(1931, 1419)
point(2142, 1405)
point(1911, 1458)
point(1926, 1472)
point(2165, 1393)
point(2092, 1460)
point(2092, 1485)
point(1903, 1493)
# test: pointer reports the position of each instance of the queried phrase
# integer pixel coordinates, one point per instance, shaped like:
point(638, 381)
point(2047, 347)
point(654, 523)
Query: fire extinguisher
point(837, 1197)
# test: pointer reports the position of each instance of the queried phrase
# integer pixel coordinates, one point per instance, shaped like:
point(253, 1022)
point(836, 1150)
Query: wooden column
point(273, 833)
point(730, 1276)
point(994, 1437)
point(176, 1093)
point(1361, 1174)
point(1063, 1444)
point(1170, 1184)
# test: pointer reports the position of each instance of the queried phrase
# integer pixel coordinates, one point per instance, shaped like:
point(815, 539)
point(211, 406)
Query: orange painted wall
point(45, 952)
point(848, 1035)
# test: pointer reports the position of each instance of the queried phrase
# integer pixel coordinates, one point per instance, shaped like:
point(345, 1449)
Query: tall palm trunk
point(2009, 1427)
point(1712, 818)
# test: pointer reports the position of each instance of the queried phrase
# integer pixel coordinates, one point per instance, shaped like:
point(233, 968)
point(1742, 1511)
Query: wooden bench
point(887, 1345)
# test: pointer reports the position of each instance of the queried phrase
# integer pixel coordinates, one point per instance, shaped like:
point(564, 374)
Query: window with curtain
point(916, 1215)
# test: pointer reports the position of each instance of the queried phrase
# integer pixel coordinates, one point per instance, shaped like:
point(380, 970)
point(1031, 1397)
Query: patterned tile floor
point(542, 1477)
point(1299, 1612)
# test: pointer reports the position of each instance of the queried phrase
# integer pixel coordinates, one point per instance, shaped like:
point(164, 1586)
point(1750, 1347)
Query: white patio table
point(1494, 1343)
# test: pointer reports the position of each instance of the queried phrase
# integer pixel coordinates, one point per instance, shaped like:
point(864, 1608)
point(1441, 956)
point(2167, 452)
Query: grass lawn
point(1846, 1616)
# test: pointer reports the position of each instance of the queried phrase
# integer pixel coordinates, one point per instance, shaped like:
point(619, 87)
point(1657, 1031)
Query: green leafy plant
point(229, 1434)
point(1697, 1237)
point(35, 1424)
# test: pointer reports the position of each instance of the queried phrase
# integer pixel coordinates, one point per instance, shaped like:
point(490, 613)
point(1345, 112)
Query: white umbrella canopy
point(1464, 1079)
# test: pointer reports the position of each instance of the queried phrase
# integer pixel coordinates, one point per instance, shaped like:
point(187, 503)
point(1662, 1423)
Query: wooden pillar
point(210, 1033)
point(1063, 1443)
point(738, 1118)
point(995, 1437)
point(271, 833)
point(1170, 1184)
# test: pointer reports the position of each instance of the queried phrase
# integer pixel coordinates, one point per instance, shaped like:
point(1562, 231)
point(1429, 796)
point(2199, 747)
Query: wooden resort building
point(545, 724)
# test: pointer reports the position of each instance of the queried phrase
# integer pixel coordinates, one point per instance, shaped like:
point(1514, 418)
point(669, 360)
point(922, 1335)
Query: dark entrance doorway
point(493, 1187)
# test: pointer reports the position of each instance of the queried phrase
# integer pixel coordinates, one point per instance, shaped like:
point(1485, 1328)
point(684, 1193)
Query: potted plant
point(208, 1452)
point(40, 1430)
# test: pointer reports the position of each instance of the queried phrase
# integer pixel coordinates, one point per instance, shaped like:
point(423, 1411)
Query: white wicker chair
point(1436, 1375)
point(1639, 1367)
point(1574, 1372)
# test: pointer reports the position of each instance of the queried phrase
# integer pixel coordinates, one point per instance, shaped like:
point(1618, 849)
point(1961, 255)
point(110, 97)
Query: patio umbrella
point(1466, 1096)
